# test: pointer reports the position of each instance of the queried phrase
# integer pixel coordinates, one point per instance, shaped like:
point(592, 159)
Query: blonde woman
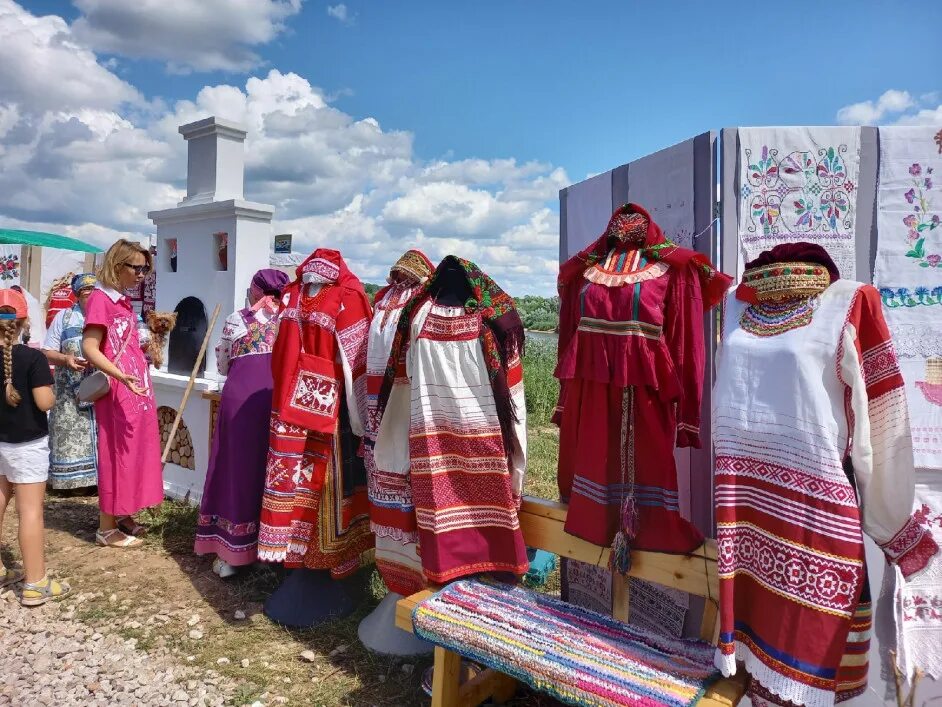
point(25, 397)
point(129, 469)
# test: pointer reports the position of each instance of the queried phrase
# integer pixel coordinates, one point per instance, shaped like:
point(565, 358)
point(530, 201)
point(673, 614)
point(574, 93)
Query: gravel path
point(49, 658)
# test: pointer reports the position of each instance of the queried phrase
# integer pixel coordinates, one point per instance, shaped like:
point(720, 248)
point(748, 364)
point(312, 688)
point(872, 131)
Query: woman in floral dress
point(73, 451)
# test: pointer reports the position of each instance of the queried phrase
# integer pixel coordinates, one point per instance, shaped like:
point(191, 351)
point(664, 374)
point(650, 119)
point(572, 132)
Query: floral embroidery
point(921, 222)
point(10, 267)
point(773, 318)
point(903, 297)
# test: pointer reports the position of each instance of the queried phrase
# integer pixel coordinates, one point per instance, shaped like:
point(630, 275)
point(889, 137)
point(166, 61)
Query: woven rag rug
point(575, 655)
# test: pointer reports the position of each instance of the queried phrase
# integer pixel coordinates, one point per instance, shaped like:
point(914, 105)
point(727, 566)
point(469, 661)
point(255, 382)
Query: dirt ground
point(170, 601)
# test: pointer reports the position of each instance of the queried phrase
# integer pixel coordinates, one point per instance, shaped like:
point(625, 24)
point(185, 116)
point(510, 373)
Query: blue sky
point(568, 88)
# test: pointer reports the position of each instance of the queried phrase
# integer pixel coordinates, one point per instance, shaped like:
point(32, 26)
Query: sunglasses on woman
point(139, 269)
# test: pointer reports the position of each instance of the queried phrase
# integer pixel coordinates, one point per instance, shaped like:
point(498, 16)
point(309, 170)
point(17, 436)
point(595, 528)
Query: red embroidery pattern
point(442, 328)
point(316, 394)
point(912, 547)
point(838, 492)
point(825, 582)
point(879, 363)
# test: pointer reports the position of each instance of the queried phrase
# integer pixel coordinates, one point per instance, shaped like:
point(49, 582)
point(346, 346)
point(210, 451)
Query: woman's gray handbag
point(96, 386)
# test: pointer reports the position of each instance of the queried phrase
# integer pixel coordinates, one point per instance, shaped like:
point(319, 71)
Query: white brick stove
point(214, 205)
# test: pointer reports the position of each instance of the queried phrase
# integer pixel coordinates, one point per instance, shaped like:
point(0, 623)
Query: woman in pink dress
point(129, 468)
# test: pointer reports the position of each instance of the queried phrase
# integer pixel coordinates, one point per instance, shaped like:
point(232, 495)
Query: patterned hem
point(911, 548)
point(781, 686)
point(403, 536)
point(235, 557)
point(73, 482)
point(481, 568)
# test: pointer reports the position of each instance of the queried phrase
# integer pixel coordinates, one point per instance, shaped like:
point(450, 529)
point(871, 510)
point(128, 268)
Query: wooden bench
point(542, 524)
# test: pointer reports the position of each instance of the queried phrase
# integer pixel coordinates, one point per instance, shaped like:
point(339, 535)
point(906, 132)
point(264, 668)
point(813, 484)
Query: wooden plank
point(212, 395)
point(405, 607)
point(727, 692)
point(544, 508)
point(480, 688)
point(620, 598)
point(506, 689)
point(446, 676)
point(709, 624)
point(688, 573)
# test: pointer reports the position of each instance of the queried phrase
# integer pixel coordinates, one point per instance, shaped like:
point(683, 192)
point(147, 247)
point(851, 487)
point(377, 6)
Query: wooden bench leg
point(505, 689)
point(446, 678)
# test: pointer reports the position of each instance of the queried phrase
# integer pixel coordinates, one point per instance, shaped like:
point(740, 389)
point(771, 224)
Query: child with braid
point(25, 397)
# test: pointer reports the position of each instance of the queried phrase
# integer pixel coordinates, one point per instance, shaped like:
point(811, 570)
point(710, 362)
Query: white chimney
point(215, 160)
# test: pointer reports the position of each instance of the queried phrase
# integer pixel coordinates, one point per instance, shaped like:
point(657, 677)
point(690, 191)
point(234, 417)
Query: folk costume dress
point(73, 442)
point(130, 475)
point(315, 510)
point(459, 426)
point(631, 359)
point(813, 447)
point(232, 495)
point(392, 512)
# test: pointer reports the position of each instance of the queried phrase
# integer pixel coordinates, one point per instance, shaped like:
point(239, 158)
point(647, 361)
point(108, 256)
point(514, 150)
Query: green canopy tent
point(44, 240)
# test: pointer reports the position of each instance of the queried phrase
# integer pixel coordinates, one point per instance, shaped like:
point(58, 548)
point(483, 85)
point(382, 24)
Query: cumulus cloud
point(42, 67)
point(894, 107)
point(92, 166)
point(188, 35)
point(340, 13)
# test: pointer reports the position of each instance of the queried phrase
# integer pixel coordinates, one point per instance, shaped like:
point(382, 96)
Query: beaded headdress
point(779, 281)
point(414, 265)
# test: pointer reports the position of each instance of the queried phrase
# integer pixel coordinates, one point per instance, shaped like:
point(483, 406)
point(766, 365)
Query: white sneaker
point(223, 568)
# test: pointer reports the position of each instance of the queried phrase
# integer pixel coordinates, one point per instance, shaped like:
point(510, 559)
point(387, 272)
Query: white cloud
point(926, 116)
point(91, 165)
point(189, 35)
point(871, 112)
point(42, 67)
point(341, 13)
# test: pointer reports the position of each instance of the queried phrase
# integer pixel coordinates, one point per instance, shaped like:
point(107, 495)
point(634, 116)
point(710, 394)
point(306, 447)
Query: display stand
point(379, 633)
point(309, 598)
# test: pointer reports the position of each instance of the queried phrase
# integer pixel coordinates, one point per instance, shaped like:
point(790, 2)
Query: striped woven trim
point(632, 328)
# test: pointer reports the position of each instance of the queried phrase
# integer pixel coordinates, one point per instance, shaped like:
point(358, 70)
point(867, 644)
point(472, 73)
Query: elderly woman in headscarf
point(73, 447)
point(232, 496)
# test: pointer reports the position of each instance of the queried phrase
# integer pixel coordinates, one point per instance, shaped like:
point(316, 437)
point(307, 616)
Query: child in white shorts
point(26, 396)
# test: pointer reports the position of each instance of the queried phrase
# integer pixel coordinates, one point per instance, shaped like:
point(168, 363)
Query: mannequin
point(392, 513)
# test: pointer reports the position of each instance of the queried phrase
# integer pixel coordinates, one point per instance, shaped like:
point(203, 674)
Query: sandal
point(106, 538)
point(10, 575)
point(129, 526)
point(39, 593)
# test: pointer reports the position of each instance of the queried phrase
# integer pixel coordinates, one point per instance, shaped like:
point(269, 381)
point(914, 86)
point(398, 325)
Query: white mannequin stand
point(379, 633)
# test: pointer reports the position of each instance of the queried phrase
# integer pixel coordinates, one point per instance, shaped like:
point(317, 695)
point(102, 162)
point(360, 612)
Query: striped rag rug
point(578, 656)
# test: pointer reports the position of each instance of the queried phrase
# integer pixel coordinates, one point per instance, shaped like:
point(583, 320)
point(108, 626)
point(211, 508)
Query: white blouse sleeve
point(232, 331)
point(881, 448)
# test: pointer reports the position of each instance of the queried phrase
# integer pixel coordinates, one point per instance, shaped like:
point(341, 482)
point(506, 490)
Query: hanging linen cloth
point(314, 508)
point(631, 359)
point(466, 414)
point(799, 184)
point(812, 447)
point(908, 273)
point(392, 511)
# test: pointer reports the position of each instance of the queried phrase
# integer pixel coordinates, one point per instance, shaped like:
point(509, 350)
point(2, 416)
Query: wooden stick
point(189, 386)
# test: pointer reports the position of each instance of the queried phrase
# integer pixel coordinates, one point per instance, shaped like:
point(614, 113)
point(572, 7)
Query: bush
point(542, 389)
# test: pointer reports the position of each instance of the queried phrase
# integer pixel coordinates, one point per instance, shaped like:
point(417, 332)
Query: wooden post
point(446, 678)
point(189, 385)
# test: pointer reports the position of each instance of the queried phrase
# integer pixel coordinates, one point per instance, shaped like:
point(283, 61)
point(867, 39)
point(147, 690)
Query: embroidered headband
point(779, 281)
point(414, 265)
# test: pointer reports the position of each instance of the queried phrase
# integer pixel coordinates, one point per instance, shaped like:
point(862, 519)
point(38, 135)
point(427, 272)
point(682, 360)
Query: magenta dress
point(129, 470)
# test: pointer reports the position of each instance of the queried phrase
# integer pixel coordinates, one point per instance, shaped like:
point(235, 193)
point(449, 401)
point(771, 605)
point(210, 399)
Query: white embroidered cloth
point(799, 184)
point(908, 272)
point(919, 601)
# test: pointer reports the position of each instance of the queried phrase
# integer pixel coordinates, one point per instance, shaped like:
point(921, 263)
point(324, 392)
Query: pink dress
point(129, 470)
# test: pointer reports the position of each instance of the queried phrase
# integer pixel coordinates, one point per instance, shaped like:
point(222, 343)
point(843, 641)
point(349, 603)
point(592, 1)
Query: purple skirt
point(235, 480)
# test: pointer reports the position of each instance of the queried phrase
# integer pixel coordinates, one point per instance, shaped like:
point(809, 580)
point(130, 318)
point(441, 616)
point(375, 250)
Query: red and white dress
point(314, 509)
point(803, 391)
point(466, 485)
point(392, 511)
